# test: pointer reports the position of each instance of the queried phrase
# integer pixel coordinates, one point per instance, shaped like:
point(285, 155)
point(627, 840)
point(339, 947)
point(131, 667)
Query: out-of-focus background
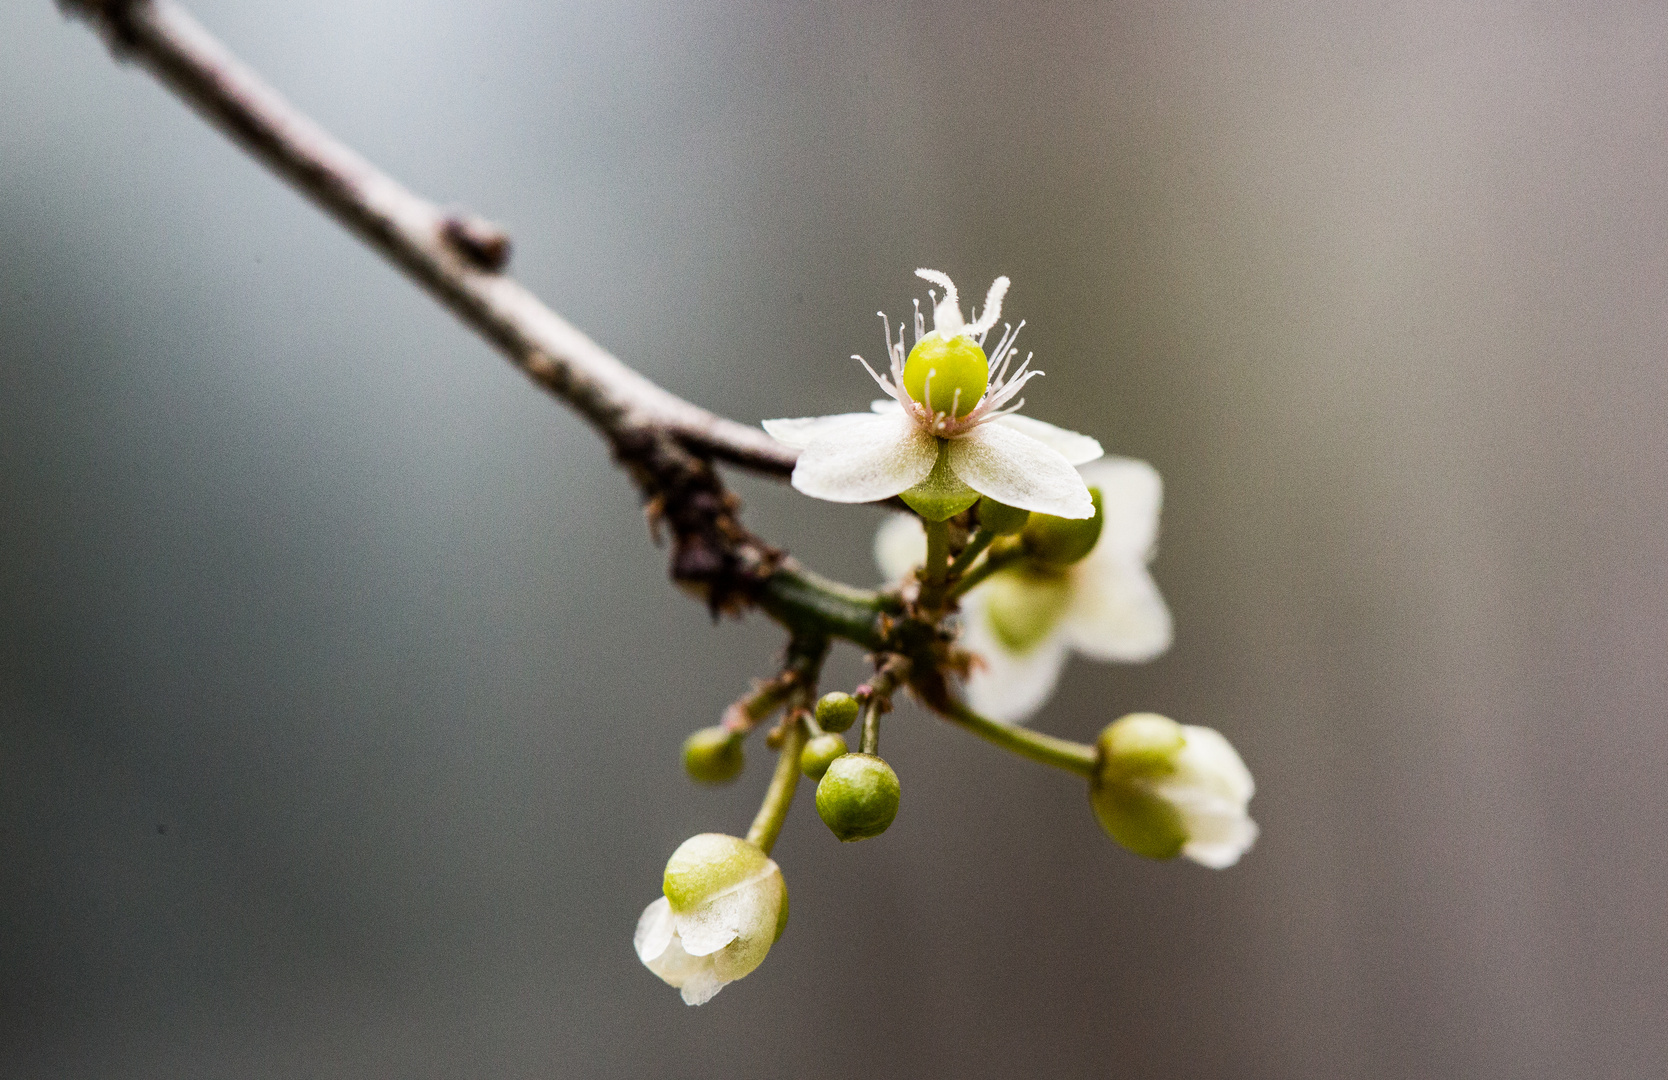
point(341, 688)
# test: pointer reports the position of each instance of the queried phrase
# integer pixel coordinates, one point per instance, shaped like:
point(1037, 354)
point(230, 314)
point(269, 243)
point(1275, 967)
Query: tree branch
point(664, 440)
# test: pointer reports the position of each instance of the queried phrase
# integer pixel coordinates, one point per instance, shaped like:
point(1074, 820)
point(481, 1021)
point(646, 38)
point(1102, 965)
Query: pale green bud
point(837, 711)
point(1163, 789)
point(820, 753)
point(1061, 541)
point(1000, 518)
point(713, 755)
point(947, 374)
point(725, 904)
point(1023, 605)
point(858, 796)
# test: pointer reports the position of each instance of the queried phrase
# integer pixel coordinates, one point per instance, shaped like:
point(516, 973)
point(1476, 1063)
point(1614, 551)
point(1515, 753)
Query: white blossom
point(725, 904)
point(864, 457)
point(1023, 622)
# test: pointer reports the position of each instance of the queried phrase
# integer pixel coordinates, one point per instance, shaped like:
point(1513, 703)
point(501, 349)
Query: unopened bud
point(1000, 518)
point(858, 796)
point(836, 712)
point(713, 755)
point(1063, 541)
point(820, 753)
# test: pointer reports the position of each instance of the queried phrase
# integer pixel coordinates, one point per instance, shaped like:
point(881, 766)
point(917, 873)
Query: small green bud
point(820, 753)
point(1000, 518)
point(858, 796)
point(1022, 606)
point(837, 711)
point(943, 494)
point(1132, 752)
point(713, 755)
point(1063, 541)
point(954, 371)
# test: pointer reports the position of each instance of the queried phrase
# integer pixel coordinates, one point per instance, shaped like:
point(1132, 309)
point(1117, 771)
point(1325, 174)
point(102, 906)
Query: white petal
point(1131, 495)
point(869, 458)
point(702, 986)
point(1221, 847)
point(1210, 761)
point(798, 432)
point(654, 930)
point(900, 546)
point(1076, 449)
point(1116, 612)
point(1007, 686)
point(1018, 470)
point(1211, 788)
point(885, 406)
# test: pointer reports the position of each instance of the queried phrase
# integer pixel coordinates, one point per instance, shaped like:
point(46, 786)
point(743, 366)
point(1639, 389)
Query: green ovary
point(1022, 607)
point(958, 369)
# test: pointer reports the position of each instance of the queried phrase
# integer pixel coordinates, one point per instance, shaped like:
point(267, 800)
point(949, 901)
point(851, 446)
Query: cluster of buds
point(1025, 545)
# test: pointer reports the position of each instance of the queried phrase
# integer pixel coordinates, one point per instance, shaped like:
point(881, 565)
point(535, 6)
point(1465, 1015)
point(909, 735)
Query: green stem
point(981, 540)
point(767, 825)
point(808, 602)
point(806, 653)
point(999, 557)
point(1060, 753)
point(938, 563)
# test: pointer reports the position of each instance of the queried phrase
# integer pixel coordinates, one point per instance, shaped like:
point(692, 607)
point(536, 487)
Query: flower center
point(947, 375)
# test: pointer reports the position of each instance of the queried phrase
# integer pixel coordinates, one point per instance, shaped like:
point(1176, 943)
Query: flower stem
point(805, 657)
point(1000, 556)
point(767, 824)
point(938, 563)
point(878, 700)
point(981, 540)
point(1047, 749)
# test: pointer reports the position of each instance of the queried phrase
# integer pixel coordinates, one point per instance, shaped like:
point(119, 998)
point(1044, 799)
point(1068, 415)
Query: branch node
point(478, 240)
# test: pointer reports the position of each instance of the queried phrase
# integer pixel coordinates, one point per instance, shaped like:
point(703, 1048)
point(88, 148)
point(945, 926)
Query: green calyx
point(820, 753)
point(836, 712)
point(1060, 541)
point(713, 755)
point(947, 375)
point(1131, 753)
point(1024, 604)
point(706, 865)
point(858, 797)
point(942, 495)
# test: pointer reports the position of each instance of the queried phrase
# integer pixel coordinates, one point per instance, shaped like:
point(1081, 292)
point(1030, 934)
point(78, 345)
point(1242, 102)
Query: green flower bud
point(1063, 541)
point(837, 712)
point(947, 374)
point(1163, 789)
point(1000, 518)
point(943, 494)
point(858, 796)
point(713, 755)
point(820, 753)
point(1022, 606)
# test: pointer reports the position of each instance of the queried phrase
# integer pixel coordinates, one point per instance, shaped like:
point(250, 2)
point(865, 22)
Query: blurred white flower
point(1025, 620)
point(1164, 789)
point(949, 430)
point(725, 904)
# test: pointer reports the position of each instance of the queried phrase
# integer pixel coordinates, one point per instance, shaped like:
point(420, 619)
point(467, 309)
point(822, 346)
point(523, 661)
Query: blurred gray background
point(341, 688)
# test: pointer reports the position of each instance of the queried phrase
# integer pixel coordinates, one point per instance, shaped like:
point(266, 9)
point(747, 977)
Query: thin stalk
point(1061, 753)
point(767, 824)
point(1006, 555)
point(938, 563)
point(981, 540)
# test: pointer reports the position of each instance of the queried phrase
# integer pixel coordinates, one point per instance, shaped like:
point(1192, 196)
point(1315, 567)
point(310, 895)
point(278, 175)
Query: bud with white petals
point(725, 906)
point(1163, 789)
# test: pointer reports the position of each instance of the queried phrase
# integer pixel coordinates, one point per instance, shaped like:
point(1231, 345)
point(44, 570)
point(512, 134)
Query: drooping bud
point(836, 712)
point(1000, 518)
point(714, 755)
point(820, 753)
point(1163, 789)
point(858, 796)
point(1061, 541)
point(946, 374)
point(725, 905)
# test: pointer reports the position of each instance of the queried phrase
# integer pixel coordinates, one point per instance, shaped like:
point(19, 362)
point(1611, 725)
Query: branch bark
point(665, 441)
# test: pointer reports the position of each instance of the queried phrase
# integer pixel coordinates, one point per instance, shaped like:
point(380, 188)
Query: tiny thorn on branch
point(478, 240)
